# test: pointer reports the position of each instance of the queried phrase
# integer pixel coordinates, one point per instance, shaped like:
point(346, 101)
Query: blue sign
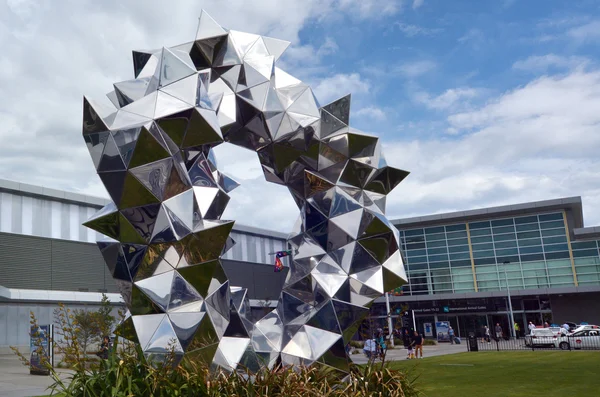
point(446, 309)
point(41, 348)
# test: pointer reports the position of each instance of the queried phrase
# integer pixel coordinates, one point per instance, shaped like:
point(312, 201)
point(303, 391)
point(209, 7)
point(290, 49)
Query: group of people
point(412, 341)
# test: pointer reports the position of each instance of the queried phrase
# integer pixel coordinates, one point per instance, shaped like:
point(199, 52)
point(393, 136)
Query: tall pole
point(512, 318)
point(389, 318)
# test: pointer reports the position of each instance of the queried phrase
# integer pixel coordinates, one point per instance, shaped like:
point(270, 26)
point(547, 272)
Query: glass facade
point(527, 252)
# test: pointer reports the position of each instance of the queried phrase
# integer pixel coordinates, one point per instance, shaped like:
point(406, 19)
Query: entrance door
point(472, 323)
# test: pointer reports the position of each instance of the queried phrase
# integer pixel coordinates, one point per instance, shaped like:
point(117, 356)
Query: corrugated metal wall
point(44, 217)
point(28, 262)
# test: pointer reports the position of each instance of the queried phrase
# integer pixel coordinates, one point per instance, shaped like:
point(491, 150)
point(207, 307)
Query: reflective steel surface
point(153, 152)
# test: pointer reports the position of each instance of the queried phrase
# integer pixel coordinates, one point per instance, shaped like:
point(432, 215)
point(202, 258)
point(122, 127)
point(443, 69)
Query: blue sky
point(485, 102)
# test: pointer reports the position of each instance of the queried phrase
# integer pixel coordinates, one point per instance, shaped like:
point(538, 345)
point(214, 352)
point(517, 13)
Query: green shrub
point(357, 344)
point(126, 373)
point(429, 342)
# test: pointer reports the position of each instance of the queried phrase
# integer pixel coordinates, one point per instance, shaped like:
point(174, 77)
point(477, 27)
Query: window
point(458, 248)
point(556, 247)
point(561, 271)
point(413, 253)
point(416, 259)
point(454, 228)
point(557, 255)
point(583, 245)
point(553, 232)
point(460, 255)
point(557, 216)
point(526, 235)
point(481, 232)
point(462, 234)
point(462, 263)
point(504, 244)
point(435, 244)
point(415, 246)
point(417, 266)
point(434, 230)
point(415, 239)
point(554, 240)
point(437, 251)
point(504, 252)
point(505, 237)
point(503, 222)
point(437, 236)
point(458, 241)
point(438, 265)
point(437, 258)
point(413, 232)
point(504, 229)
point(582, 253)
point(484, 261)
point(483, 247)
point(552, 225)
point(477, 240)
point(530, 242)
point(483, 254)
point(532, 257)
point(527, 227)
point(526, 219)
point(479, 225)
point(531, 250)
point(502, 259)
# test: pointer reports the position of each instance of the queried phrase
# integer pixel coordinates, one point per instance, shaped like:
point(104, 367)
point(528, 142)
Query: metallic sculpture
point(152, 151)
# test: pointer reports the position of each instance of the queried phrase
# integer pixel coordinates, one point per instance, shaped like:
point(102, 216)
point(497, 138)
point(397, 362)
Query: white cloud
point(371, 112)
point(414, 30)
point(587, 32)
point(473, 36)
point(539, 141)
point(370, 8)
point(415, 69)
point(541, 63)
point(449, 99)
point(417, 3)
point(53, 53)
point(338, 85)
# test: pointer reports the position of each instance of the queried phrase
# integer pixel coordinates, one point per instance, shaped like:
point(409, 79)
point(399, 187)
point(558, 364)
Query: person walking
point(418, 342)
point(451, 335)
point(498, 331)
point(531, 327)
point(486, 333)
point(517, 330)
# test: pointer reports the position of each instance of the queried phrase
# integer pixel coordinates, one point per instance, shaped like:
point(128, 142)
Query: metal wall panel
point(25, 262)
point(77, 266)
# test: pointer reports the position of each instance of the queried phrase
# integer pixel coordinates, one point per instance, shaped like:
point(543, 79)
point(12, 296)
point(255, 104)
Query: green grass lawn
point(514, 374)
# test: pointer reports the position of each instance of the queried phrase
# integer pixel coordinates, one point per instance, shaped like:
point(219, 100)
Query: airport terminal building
point(458, 263)
point(47, 257)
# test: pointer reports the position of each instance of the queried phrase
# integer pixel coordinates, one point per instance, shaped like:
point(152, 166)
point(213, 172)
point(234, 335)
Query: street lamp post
point(512, 318)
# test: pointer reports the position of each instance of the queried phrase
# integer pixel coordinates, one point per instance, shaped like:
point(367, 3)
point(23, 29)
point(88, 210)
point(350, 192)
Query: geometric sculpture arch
point(153, 152)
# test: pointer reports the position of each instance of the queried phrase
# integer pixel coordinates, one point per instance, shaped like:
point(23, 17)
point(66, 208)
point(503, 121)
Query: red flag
point(278, 265)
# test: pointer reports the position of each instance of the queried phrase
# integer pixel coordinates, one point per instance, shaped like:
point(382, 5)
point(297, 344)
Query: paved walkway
point(399, 353)
point(15, 380)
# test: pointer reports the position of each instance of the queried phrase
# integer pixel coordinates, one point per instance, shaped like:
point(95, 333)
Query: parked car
point(584, 339)
point(542, 337)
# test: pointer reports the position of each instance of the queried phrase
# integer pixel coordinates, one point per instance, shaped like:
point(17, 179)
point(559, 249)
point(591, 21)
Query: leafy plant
point(127, 373)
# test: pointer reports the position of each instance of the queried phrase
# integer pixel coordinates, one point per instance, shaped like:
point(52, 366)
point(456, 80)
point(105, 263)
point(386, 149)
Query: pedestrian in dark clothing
point(418, 343)
point(104, 348)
